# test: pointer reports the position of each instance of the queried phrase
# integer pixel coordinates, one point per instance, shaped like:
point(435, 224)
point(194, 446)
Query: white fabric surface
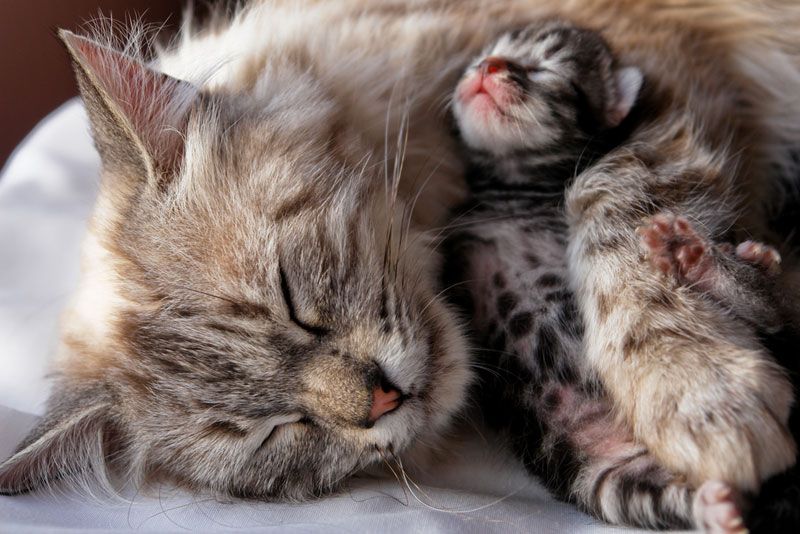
point(46, 194)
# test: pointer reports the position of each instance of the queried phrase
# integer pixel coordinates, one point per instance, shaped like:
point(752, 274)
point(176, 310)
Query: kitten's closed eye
point(537, 72)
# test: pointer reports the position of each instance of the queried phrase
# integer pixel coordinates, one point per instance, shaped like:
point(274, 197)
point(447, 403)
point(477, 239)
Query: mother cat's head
point(254, 316)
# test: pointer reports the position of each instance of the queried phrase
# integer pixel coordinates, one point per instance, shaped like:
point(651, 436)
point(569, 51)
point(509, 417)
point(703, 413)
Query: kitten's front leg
point(692, 380)
point(742, 279)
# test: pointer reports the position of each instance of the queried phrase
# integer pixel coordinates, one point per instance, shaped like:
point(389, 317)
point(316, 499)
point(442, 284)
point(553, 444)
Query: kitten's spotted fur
point(284, 138)
point(535, 109)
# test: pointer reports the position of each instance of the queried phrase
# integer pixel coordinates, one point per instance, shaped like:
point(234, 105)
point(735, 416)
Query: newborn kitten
point(538, 107)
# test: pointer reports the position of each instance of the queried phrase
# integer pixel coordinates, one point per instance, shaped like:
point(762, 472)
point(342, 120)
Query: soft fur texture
point(309, 138)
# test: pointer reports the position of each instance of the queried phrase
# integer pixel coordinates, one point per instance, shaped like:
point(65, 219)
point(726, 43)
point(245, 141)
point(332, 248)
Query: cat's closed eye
point(315, 330)
point(281, 425)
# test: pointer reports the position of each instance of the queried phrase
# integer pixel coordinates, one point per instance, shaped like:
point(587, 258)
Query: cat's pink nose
point(384, 400)
point(493, 65)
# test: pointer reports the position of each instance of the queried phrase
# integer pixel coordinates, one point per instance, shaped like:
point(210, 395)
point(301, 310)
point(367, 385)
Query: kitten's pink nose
point(493, 65)
point(384, 400)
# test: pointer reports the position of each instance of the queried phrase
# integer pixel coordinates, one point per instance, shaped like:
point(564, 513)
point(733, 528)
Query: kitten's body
point(507, 264)
point(275, 158)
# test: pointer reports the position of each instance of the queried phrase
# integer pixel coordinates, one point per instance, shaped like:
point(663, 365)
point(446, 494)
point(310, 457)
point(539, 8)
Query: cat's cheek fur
point(449, 396)
point(89, 323)
point(96, 301)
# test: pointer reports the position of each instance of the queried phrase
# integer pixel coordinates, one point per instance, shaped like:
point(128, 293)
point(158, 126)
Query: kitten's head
point(542, 86)
point(254, 317)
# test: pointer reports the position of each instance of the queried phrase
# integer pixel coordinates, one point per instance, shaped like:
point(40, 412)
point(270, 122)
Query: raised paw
point(761, 255)
point(674, 248)
point(716, 509)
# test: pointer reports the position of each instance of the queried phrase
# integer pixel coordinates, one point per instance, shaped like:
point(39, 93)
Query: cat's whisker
point(408, 481)
point(575, 171)
point(208, 294)
point(409, 210)
point(165, 511)
point(396, 475)
point(435, 298)
point(473, 222)
point(407, 216)
point(487, 369)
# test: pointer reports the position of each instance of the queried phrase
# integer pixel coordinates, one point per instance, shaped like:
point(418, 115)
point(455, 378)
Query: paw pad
point(674, 248)
point(716, 509)
point(759, 254)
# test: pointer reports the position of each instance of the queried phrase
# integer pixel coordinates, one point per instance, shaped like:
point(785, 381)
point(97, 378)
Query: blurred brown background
point(36, 75)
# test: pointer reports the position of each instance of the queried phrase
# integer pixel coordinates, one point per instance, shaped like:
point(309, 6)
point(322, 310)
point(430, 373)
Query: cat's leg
point(717, 509)
point(695, 384)
point(741, 278)
point(615, 478)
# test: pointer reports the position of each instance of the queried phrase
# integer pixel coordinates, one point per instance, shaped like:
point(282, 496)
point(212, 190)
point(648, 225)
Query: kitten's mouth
point(486, 93)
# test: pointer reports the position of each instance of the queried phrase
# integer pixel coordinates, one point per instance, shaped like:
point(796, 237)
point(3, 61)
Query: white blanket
point(46, 193)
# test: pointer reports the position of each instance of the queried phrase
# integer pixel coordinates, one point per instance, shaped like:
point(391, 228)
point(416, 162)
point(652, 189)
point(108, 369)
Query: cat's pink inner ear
point(154, 106)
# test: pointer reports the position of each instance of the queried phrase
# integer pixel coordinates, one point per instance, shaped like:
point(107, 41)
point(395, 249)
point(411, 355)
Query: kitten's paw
point(674, 248)
point(761, 255)
point(716, 509)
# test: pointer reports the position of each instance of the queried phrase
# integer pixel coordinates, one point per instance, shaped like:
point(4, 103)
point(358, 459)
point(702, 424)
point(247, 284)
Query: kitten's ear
point(67, 442)
point(628, 82)
point(138, 115)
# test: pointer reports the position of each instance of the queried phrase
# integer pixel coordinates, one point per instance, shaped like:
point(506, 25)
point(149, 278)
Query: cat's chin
point(417, 459)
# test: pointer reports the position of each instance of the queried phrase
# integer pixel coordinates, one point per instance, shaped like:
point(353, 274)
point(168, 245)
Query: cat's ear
point(67, 442)
point(138, 115)
point(628, 81)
